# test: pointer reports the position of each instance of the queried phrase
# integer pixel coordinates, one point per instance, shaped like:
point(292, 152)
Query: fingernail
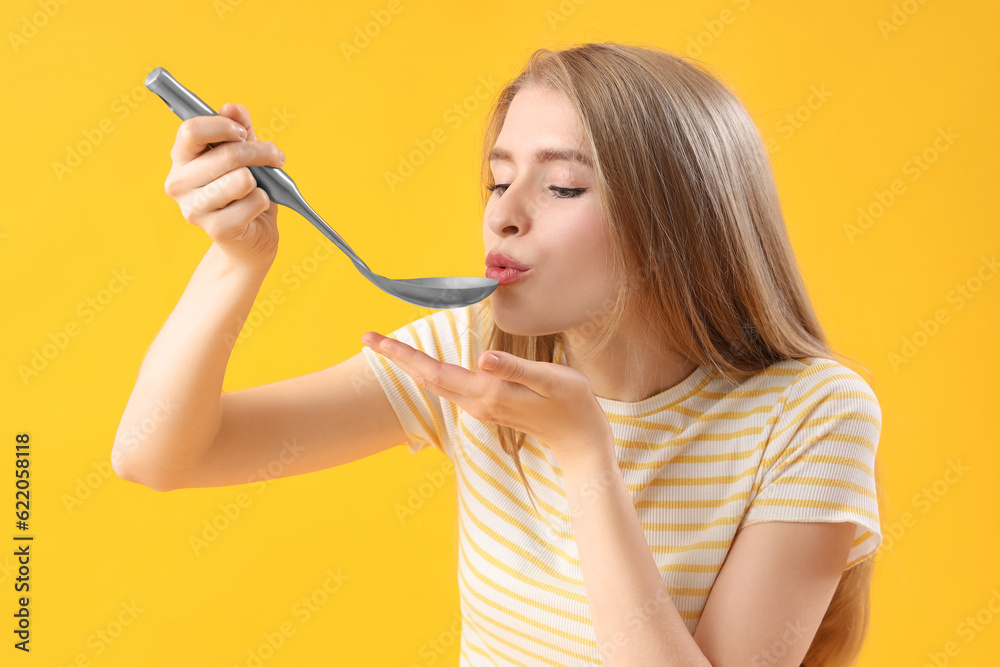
point(243, 133)
point(490, 362)
point(281, 159)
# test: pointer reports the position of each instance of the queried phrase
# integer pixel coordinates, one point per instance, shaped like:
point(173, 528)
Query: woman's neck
point(632, 368)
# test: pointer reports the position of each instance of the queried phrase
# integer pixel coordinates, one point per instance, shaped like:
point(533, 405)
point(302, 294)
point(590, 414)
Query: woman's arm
point(635, 619)
point(174, 413)
point(179, 429)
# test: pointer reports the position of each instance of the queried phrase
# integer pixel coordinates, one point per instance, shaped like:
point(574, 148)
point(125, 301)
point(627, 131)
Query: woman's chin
point(520, 326)
point(512, 318)
point(510, 323)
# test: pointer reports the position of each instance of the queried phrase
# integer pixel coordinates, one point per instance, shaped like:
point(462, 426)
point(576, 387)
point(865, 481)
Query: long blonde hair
point(698, 239)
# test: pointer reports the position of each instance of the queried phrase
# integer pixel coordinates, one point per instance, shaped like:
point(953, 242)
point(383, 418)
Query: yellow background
point(103, 544)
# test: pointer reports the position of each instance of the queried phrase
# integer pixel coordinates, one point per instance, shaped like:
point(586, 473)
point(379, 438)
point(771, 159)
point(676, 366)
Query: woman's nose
point(511, 212)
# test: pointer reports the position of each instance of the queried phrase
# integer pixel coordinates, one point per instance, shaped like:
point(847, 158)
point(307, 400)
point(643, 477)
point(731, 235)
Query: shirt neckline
point(666, 398)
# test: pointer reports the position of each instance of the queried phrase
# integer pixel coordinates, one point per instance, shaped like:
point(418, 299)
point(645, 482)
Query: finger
point(195, 136)
point(372, 340)
point(205, 177)
point(241, 115)
point(227, 188)
point(515, 369)
point(230, 222)
point(424, 383)
point(447, 376)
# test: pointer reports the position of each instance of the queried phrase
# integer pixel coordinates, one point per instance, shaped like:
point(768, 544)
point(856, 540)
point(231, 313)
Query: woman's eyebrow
point(544, 155)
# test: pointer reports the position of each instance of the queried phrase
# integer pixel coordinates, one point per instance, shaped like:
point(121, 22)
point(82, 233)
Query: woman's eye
point(566, 193)
point(557, 192)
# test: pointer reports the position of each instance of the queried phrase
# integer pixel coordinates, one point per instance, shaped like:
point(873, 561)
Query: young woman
point(659, 460)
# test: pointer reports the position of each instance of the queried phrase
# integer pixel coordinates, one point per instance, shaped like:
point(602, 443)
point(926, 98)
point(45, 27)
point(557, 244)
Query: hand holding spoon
point(445, 292)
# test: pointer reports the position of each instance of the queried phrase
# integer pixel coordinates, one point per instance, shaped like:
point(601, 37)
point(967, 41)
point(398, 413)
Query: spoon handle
point(278, 185)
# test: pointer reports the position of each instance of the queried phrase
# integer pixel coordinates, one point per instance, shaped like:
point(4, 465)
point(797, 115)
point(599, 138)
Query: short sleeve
point(819, 462)
point(426, 418)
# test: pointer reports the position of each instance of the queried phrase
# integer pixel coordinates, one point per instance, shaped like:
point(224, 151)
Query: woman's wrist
point(256, 267)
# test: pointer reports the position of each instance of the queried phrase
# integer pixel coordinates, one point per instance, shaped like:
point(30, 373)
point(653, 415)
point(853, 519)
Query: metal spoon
point(447, 292)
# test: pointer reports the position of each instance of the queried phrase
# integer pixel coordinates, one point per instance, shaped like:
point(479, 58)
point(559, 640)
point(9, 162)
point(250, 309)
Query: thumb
point(535, 375)
point(491, 361)
point(506, 366)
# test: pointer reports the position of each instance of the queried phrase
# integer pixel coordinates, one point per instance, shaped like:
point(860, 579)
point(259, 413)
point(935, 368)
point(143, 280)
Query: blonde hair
point(698, 240)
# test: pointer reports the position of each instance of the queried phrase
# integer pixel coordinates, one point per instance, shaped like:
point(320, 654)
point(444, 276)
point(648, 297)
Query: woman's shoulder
point(812, 380)
point(800, 379)
point(810, 371)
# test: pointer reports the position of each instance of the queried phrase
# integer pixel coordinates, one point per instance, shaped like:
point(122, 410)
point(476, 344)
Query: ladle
point(446, 292)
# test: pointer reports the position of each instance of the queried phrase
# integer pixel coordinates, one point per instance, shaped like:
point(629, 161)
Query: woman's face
point(546, 214)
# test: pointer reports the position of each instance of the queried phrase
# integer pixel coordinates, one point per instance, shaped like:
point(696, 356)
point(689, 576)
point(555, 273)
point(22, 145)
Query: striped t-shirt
point(701, 459)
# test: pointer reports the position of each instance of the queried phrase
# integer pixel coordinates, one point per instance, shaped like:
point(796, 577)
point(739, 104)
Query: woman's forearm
point(173, 414)
point(635, 619)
